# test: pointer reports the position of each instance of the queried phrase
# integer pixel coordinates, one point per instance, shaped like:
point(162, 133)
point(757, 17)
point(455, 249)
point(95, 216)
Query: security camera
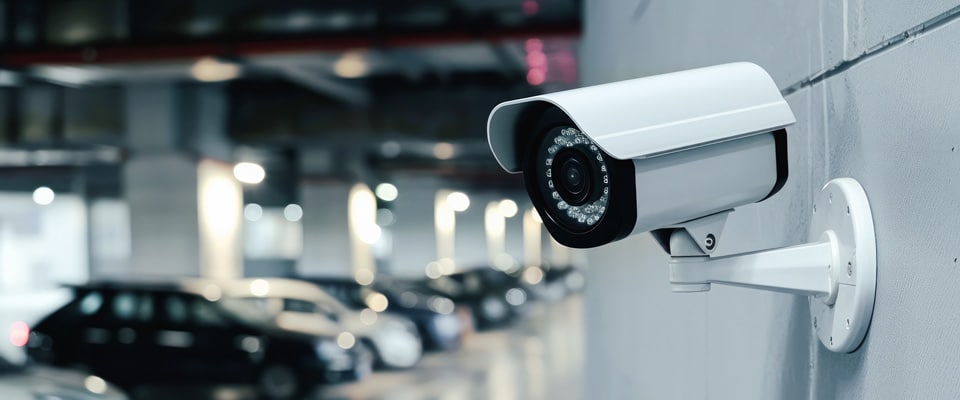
point(603, 162)
point(673, 154)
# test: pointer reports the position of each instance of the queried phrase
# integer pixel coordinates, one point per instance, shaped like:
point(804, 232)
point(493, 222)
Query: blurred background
point(288, 199)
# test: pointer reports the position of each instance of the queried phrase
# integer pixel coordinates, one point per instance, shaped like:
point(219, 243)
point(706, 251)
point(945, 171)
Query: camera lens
point(573, 173)
point(586, 197)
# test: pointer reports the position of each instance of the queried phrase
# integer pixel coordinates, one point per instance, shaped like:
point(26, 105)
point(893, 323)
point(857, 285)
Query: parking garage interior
point(173, 171)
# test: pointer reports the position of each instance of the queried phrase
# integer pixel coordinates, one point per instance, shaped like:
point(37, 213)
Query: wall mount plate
point(842, 207)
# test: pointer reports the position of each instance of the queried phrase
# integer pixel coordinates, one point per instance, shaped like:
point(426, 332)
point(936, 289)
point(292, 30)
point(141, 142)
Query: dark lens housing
point(585, 197)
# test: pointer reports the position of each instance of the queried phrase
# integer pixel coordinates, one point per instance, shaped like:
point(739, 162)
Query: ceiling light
point(458, 201)
point(209, 69)
point(508, 208)
point(377, 302)
point(443, 150)
point(252, 212)
point(530, 7)
point(385, 217)
point(534, 44)
point(386, 191)
point(248, 172)
point(351, 65)
point(293, 212)
point(43, 195)
point(364, 277)
point(370, 234)
point(346, 340)
point(259, 287)
point(536, 76)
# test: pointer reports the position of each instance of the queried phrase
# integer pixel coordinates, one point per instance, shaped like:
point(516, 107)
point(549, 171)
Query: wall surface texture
point(874, 86)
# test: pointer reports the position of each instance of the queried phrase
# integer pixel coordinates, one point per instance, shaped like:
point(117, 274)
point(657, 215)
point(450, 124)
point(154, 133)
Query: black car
point(136, 333)
point(435, 316)
point(495, 297)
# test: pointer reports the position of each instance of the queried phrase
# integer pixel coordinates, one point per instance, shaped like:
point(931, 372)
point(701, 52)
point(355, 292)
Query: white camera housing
point(673, 154)
point(673, 148)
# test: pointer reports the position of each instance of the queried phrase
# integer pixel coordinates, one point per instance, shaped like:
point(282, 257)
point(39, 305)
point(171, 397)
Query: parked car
point(19, 382)
point(495, 297)
point(394, 340)
point(436, 317)
point(135, 333)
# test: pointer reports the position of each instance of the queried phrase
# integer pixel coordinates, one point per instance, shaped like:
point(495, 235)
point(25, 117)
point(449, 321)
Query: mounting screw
point(814, 322)
point(831, 340)
point(848, 323)
point(814, 208)
point(710, 242)
point(830, 198)
point(849, 268)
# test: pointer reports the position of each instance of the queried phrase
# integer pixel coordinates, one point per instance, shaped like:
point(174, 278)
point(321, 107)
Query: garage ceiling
point(344, 77)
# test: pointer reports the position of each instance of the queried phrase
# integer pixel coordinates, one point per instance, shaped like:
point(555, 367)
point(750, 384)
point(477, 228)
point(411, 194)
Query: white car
point(38, 382)
point(394, 340)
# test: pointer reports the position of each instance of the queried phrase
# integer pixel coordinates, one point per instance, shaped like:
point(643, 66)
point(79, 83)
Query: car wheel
point(278, 381)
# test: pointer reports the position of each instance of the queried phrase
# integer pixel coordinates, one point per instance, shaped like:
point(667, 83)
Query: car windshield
point(348, 294)
point(267, 309)
point(250, 310)
point(358, 296)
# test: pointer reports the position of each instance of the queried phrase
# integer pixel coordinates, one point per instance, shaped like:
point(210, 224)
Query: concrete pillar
point(326, 240)
point(532, 239)
point(364, 232)
point(414, 239)
point(185, 210)
point(513, 236)
point(471, 249)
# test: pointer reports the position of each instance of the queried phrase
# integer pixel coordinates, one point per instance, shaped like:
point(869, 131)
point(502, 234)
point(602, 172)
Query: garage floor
point(538, 358)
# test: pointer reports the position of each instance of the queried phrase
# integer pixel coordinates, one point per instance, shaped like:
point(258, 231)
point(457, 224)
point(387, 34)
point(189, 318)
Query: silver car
point(394, 340)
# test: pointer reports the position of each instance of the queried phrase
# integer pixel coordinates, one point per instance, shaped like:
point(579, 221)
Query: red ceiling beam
point(148, 52)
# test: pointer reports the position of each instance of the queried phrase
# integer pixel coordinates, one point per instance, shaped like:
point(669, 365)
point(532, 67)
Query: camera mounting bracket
point(697, 237)
point(836, 268)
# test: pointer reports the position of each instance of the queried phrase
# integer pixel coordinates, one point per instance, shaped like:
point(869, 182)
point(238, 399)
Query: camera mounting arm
point(836, 269)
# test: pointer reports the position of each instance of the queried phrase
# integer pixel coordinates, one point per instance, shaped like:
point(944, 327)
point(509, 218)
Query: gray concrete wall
point(164, 229)
point(872, 103)
point(326, 241)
